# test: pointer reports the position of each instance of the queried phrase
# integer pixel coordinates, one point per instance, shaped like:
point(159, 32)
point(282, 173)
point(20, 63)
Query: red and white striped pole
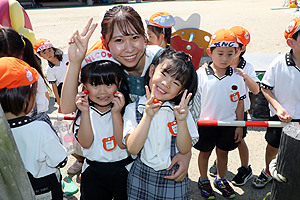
point(60, 116)
point(278, 124)
point(243, 123)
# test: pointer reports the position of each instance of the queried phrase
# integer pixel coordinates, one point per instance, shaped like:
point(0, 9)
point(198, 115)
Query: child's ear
point(208, 52)
point(243, 48)
point(145, 40)
point(290, 42)
point(151, 70)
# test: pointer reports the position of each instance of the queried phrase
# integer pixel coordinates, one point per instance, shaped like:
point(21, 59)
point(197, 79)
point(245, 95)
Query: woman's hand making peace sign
point(78, 42)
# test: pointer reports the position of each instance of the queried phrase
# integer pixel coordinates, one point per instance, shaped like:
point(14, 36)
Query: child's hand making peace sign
point(181, 111)
point(152, 105)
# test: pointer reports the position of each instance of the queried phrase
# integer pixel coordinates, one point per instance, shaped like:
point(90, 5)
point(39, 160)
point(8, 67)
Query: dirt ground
point(265, 25)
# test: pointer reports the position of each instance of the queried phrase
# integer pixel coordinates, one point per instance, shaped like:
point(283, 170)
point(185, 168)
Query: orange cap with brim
point(223, 38)
point(16, 73)
point(292, 28)
point(161, 19)
point(242, 34)
point(42, 44)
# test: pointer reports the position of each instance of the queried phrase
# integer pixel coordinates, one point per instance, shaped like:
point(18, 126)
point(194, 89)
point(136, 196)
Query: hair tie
point(22, 38)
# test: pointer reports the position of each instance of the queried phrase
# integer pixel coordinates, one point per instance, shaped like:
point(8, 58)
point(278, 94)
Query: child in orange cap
point(18, 83)
point(159, 29)
point(57, 65)
point(15, 45)
point(246, 70)
point(222, 98)
point(280, 86)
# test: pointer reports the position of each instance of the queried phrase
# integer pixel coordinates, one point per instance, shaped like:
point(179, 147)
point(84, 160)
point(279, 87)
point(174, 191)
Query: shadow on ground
point(246, 192)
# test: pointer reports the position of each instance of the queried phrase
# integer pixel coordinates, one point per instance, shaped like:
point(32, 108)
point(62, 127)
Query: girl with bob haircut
point(160, 125)
point(98, 127)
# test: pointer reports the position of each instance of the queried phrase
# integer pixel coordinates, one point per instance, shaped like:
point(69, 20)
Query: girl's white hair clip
point(98, 55)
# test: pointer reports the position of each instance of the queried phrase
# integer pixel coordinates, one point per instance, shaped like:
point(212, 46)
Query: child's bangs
point(103, 76)
point(180, 72)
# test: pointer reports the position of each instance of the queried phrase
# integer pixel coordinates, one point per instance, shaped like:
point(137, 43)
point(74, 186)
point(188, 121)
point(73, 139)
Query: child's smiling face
point(102, 95)
point(166, 86)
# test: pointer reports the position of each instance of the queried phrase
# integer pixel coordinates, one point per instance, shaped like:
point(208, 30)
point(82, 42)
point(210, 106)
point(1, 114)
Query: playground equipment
point(13, 15)
point(190, 39)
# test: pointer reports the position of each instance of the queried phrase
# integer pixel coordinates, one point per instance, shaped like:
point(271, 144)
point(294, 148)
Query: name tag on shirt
point(109, 143)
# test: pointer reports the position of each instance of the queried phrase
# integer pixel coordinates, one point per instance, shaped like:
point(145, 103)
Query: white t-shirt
point(156, 151)
point(283, 78)
point(56, 74)
point(250, 71)
point(39, 146)
point(104, 147)
point(219, 96)
point(41, 101)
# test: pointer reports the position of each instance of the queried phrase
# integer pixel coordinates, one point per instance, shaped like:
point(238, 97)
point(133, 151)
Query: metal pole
point(60, 116)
